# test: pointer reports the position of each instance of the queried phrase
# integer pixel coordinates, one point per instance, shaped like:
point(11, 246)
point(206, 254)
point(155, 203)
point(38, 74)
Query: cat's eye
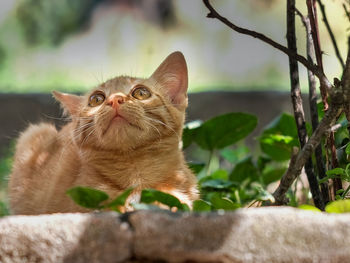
point(96, 99)
point(141, 93)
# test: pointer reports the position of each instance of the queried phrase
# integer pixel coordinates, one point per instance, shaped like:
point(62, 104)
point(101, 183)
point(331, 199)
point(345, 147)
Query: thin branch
point(337, 183)
point(347, 13)
point(345, 83)
point(314, 31)
point(330, 32)
point(313, 105)
point(286, 180)
point(312, 13)
point(297, 102)
point(314, 68)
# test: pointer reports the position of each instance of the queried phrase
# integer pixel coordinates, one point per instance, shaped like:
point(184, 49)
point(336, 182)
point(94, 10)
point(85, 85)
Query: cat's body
point(125, 133)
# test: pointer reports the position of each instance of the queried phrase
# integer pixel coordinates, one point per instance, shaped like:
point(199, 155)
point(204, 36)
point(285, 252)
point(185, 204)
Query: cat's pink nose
point(116, 100)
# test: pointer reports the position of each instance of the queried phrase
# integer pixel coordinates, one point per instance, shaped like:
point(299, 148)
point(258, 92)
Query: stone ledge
point(248, 235)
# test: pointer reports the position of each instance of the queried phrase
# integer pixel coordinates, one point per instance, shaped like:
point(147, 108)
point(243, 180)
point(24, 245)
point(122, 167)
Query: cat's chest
point(132, 173)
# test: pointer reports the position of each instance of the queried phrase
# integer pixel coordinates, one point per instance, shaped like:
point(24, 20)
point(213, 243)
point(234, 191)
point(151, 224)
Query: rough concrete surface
point(65, 238)
point(247, 235)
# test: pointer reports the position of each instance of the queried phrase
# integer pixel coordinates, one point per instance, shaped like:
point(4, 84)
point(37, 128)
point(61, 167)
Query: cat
point(124, 133)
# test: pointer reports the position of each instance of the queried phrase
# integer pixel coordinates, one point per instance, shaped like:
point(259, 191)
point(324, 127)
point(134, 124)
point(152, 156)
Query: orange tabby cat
point(125, 133)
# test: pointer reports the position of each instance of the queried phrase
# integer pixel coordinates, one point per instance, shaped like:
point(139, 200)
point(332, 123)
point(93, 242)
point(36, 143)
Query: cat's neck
point(141, 166)
point(157, 151)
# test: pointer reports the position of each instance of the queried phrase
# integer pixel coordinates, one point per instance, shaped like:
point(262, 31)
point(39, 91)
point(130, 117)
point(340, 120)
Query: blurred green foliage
point(49, 21)
point(5, 169)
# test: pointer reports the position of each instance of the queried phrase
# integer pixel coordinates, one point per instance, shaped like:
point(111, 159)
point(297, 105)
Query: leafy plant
point(95, 199)
point(341, 173)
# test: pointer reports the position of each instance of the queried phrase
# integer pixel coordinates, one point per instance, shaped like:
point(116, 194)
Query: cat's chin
point(118, 123)
point(119, 133)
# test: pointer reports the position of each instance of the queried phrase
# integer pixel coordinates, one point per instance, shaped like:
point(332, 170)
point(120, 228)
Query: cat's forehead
point(120, 84)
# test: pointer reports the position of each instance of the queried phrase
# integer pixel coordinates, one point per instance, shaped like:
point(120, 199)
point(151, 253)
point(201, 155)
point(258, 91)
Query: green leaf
point(284, 125)
point(224, 130)
point(279, 137)
point(339, 206)
point(272, 175)
point(234, 155)
point(340, 191)
point(196, 167)
point(309, 207)
point(263, 195)
point(152, 195)
point(185, 207)
point(325, 179)
point(347, 149)
point(342, 133)
point(223, 203)
point(217, 184)
point(120, 200)
point(87, 197)
point(243, 170)
point(4, 211)
point(189, 133)
point(201, 206)
point(219, 174)
point(262, 162)
point(278, 147)
point(336, 171)
point(320, 110)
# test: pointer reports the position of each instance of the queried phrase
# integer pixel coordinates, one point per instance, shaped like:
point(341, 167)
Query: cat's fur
point(98, 149)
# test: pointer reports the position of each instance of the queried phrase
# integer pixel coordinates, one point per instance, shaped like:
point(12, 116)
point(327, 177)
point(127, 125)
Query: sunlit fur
point(94, 149)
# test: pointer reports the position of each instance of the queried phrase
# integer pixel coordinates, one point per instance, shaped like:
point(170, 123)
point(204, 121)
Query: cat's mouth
point(119, 119)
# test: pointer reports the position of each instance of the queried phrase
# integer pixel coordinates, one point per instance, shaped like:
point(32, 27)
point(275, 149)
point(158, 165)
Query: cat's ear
point(70, 102)
point(172, 76)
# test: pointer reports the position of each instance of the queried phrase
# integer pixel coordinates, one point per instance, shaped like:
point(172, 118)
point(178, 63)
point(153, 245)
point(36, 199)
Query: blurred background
point(74, 45)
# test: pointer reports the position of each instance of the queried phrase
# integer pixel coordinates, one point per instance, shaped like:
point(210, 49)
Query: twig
point(346, 11)
point(298, 103)
point(337, 184)
point(346, 84)
point(311, 6)
point(314, 31)
point(286, 180)
point(313, 106)
point(330, 32)
point(314, 68)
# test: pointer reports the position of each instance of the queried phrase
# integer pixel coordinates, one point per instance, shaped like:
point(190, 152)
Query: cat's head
point(125, 113)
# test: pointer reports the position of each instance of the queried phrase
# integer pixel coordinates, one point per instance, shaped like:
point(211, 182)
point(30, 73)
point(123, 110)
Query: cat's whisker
point(90, 133)
point(165, 125)
point(153, 126)
point(58, 118)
